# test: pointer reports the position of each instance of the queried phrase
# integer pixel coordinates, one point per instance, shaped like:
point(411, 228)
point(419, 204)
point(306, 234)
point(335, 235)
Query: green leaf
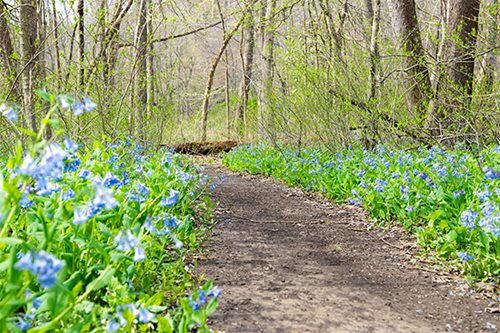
point(11, 241)
point(45, 95)
point(165, 324)
point(212, 306)
point(485, 240)
point(102, 280)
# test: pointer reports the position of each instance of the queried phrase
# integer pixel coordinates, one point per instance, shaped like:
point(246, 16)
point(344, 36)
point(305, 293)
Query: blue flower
point(104, 199)
point(80, 107)
point(215, 293)
point(464, 256)
point(468, 218)
point(37, 301)
point(64, 101)
point(25, 202)
point(491, 174)
point(112, 326)
point(126, 241)
point(112, 159)
point(45, 187)
point(72, 166)
point(170, 221)
point(144, 316)
point(28, 167)
point(171, 200)
point(84, 174)
point(111, 180)
point(42, 264)
point(82, 214)
point(68, 194)
point(487, 208)
point(202, 297)
point(194, 305)
point(177, 243)
point(483, 195)
point(70, 146)
point(143, 189)
point(9, 112)
point(139, 254)
point(23, 324)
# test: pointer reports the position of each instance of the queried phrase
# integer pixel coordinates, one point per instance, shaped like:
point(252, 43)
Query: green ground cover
point(96, 238)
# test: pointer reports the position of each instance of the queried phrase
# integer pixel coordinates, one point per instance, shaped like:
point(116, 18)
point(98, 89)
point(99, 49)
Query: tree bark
point(374, 51)
point(6, 47)
point(417, 73)
point(463, 23)
point(81, 43)
point(265, 114)
point(454, 91)
point(249, 33)
point(29, 26)
point(141, 41)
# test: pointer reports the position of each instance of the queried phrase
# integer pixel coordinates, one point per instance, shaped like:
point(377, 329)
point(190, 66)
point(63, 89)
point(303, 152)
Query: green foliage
point(450, 199)
point(95, 238)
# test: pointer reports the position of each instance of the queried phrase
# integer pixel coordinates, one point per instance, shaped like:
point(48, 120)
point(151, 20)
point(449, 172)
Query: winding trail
point(290, 262)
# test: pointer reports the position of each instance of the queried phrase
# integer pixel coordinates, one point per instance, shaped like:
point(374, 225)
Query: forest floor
point(288, 261)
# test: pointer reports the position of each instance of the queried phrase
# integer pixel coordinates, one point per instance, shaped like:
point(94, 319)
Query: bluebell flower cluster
point(141, 314)
point(202, 298)
point(42, 264)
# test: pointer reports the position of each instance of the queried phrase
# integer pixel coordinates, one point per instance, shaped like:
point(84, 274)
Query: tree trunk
point(141, 41)
point(374, 51)
point(55, 28)
point(455, 88)
point(81, 43)
point(417, 73)
point(6, 48)
point(265, 114)
point(211, 75)
point(29, 26)
point(463, 23)
point(249, 33)
point(489, 64)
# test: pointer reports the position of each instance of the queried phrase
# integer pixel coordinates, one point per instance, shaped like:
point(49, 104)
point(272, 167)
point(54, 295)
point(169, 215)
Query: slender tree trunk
point(29, 26)
point(249, 33)
point(211, 75)
point(489, 64)
point(57, 56)
point(81, 43)
point(266, 120)
point(374, 51)
point(226, 74)
point(418, 81)
point(7, 49)
point(141, 43)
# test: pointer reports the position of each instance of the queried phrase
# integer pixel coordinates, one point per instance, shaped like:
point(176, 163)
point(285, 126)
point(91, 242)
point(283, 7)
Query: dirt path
point(287, 262)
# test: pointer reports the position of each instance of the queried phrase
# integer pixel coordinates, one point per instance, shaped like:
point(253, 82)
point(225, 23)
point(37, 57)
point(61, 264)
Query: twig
point(395, 246)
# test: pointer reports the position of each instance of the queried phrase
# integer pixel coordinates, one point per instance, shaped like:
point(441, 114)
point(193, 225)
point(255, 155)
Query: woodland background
point(333, 72)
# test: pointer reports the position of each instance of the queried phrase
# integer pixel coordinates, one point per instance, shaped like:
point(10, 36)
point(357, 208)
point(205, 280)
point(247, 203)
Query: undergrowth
point(96, 238)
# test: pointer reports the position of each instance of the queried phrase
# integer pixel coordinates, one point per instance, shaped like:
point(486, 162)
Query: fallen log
point(203, 148)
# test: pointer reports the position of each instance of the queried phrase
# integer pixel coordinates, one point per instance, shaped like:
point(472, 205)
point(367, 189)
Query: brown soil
point(290, 262)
